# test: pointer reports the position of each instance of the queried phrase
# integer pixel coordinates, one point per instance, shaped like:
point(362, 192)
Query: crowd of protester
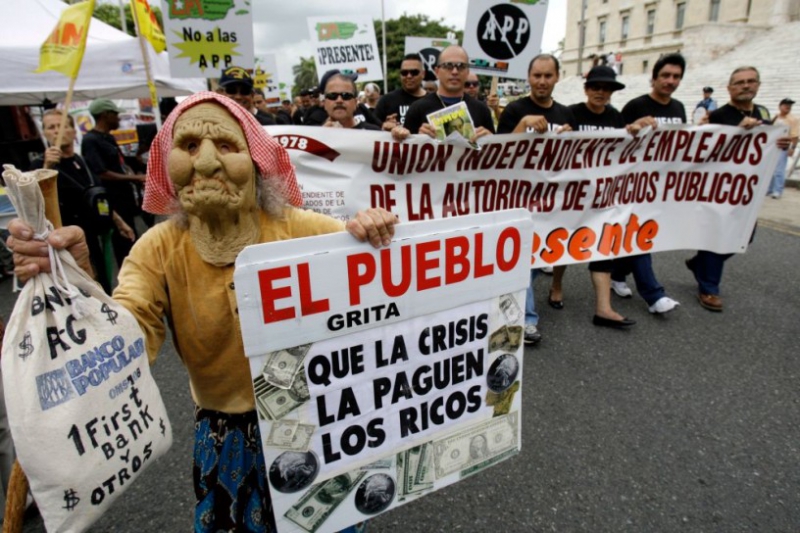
point(337, 102)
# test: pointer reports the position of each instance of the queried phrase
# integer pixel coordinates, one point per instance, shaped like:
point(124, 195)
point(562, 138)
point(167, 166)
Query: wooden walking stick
point(17, 493)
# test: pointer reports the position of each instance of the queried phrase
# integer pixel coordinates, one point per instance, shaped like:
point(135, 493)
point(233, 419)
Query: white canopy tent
point(112, 64)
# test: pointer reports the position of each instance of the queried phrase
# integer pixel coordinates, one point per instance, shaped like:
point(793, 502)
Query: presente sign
point(383, 375)
point(347, 44)
point(204, 37)
point(428, 49)
point(502, 36)
point(592, 195)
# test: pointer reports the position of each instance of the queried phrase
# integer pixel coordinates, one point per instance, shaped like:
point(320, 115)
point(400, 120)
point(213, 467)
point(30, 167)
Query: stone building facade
point(632, 34)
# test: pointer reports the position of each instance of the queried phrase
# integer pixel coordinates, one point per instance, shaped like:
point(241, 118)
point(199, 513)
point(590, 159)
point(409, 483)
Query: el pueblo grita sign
point(381, 375)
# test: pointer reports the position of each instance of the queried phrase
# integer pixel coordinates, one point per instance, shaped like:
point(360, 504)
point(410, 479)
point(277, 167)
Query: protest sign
point(265, 78)
point(384, 375)
point(205, 37)
point(428, 49)
point(347, 44)
point(592, 195)
point(502, 36)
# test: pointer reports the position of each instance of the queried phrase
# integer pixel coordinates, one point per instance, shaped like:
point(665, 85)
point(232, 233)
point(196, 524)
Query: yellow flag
point(148, 25)
point(63, 49)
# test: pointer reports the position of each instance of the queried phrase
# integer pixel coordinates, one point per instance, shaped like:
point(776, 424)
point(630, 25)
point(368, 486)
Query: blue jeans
point(707, 268)
point(641, 266)
point(530, 305)
point(778, 179)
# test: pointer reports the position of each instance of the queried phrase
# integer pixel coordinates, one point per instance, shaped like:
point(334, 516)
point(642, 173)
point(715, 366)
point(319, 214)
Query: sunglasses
point(410, 72)
point(242, 90)
point(472, 84)
point(450, 66)
point(334, 96)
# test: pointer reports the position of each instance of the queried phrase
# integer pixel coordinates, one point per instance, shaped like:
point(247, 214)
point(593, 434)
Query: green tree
point(305, 75)
point(396, 32)
point(109, 13)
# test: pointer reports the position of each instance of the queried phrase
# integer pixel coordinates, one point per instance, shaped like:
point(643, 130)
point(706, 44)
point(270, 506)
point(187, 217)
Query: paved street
point(687, 422)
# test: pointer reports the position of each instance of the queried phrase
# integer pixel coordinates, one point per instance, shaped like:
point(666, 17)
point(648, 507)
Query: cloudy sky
point(281, 27)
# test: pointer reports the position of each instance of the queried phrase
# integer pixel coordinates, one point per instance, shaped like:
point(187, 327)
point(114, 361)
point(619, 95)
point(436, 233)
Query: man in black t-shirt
point(340, 103)
point(742, 112)
point(392, 107)
point(74, 179)
point(105, 161)
point(452, 70)
point(658, 104)
point(538, 113)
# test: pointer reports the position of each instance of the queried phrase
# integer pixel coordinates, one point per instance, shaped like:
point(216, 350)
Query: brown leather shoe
point(712, 302)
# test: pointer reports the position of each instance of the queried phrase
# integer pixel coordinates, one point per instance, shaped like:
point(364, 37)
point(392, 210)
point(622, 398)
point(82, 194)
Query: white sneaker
point(532, 335)
point(547, 269)
point(665, 304)
point(622, 289)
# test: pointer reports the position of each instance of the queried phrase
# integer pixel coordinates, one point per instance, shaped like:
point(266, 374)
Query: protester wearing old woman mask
point(228, 185)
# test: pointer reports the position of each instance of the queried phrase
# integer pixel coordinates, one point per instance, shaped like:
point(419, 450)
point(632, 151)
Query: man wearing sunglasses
point(451, 71)
point(340, 103)
point(473, 86)
point(237, 84)
point(392, 107)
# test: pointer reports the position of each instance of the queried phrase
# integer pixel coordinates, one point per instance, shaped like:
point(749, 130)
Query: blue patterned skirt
point(230, 478)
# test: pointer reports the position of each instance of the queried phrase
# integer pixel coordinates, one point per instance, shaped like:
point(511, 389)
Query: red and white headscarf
point(269, 157)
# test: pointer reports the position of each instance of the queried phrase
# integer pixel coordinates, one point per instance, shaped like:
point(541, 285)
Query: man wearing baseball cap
point(784, 117)
point(237, 84)
point(103, 157)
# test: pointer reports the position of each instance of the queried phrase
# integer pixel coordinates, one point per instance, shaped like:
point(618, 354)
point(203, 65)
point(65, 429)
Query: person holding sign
point(597, 113)
point(392, 107)
point(664, 109)
point(452, 71)
point(340, 103)
point(229, 185)
point(741, 111)
point(538, 113)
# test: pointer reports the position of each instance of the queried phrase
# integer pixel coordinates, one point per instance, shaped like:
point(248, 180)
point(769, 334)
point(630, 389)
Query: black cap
point(304, 92)
point(235, 75)
point(603, 74)
point(788, 101)
point(331, 73)
point(708, 89)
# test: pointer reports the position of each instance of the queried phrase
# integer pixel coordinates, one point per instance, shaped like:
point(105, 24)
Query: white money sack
point(85, 413)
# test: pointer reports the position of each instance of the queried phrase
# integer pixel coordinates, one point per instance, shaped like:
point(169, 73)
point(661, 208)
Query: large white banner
point(501, 36)
point(205, 37)
point(592, 195)
point(384, 375)
point(347, 44)
point(428, 49)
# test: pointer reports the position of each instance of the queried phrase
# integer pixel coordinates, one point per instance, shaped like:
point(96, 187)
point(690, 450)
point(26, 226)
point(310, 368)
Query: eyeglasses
point(242, 90)
point(450, 66)
point(335, 96)
point(740, 83)
point(472, 84)
point(410, 72)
